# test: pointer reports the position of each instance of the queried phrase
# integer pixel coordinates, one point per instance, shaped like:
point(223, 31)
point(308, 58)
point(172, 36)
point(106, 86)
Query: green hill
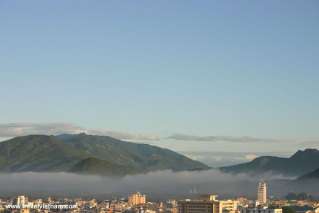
point(37, 153)
point(300, 163)
point(97, 166)
point(88, 154)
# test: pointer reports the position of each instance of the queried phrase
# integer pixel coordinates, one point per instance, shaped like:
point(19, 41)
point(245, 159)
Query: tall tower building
point(262, 193)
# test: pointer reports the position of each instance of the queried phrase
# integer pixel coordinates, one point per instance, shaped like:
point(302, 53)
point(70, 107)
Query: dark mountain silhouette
point(302, 162)
point(314, 175)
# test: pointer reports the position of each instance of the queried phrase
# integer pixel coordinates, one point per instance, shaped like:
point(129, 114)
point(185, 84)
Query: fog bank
point(162, 184)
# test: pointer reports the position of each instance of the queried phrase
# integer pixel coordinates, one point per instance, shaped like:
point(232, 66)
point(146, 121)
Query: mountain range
point(88, 154)
point(103, 155)
point(299, 164)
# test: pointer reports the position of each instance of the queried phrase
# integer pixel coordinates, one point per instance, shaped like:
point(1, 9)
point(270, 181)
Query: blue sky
point(230, 68)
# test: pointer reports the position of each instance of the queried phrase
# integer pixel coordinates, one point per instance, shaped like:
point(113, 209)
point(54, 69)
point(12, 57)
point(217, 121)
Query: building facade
point(228, 206)
point(260, 210)
point(136, 199)
point(198, 206)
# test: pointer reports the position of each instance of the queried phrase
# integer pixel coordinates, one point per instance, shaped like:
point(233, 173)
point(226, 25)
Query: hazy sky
point(204, 68)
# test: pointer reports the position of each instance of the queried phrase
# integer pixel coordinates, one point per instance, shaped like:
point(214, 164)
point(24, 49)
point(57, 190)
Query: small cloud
point(20, 129)
point(122, 135)
point(10, 130)
point(251, 157)
point(310, 143)
point(242, 139)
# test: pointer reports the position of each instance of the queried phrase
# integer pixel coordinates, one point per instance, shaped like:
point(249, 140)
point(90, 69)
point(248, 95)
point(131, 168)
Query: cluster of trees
point(297, 196)
point(288, 209)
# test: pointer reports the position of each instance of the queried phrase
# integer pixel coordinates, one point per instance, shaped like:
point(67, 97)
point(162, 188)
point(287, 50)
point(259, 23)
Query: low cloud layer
point(310, 144)
point(9, 130)
point(21, 129)
point(242, 139)
point(162, 185)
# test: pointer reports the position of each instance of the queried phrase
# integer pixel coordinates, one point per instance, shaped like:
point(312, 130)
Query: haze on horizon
point(190, 76)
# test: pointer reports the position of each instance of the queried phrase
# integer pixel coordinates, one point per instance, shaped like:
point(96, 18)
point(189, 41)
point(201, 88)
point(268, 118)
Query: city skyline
point(136, 202)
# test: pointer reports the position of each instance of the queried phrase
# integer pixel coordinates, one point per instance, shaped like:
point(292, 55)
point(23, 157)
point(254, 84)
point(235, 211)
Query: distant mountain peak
point(305, 153)
point(302, 162)
point(309, 150)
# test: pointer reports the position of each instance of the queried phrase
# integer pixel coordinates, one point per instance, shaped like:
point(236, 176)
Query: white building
point(225, 206)
point(262, 193)
point(228, 206)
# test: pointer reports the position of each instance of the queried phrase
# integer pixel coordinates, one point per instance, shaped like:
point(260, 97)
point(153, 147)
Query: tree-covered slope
point(141, 157)
point(88, 154)
point(37, 153)
point(93, 165)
